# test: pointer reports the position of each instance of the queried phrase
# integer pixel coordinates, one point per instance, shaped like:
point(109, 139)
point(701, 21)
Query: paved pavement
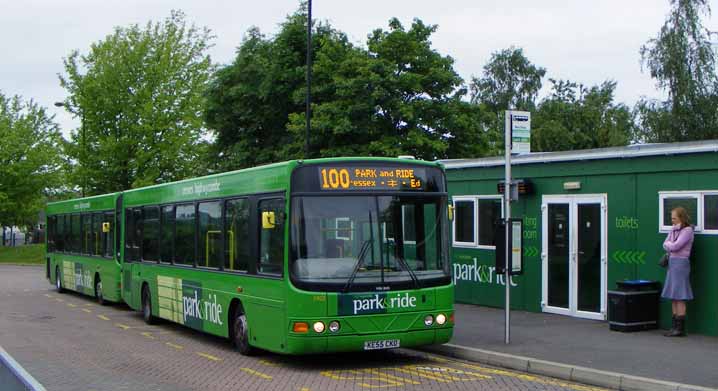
point(69, 343)
point(587, 343)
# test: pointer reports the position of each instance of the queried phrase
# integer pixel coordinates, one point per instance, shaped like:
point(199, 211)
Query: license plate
point(384, 344)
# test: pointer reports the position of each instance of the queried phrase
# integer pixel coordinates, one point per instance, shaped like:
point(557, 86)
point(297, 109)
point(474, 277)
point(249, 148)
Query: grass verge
point(33, 254)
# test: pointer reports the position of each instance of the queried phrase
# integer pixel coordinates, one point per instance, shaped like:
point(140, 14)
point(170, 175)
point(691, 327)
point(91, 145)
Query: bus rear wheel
point(240, 334)
point(147, 306)
point(58, 281)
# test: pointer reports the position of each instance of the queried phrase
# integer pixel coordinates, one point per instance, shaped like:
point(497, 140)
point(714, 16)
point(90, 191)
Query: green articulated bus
point(314, 256)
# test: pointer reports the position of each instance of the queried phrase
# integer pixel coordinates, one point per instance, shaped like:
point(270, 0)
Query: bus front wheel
point(240, 334)
point(147, 306)
point(98, 292)
point(58, 281)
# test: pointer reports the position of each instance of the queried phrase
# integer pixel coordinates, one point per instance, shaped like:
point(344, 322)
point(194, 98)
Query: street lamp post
point(82, 148)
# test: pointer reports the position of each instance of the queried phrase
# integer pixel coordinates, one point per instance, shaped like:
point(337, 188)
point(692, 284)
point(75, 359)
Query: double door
point(574, 255)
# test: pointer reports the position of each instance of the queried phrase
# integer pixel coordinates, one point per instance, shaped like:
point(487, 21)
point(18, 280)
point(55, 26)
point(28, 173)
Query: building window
point(701, 205)
point(489, 213)
point(464, 218)
point(344, 228)
point(474, 219)
point(710, 212)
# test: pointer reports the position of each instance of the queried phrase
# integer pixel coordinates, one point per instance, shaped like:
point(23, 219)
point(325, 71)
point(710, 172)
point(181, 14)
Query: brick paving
point(69, 343)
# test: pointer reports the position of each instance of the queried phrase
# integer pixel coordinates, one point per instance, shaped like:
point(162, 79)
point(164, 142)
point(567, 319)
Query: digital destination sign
point(371, 178)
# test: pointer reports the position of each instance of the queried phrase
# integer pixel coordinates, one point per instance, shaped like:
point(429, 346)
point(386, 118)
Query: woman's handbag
point(663, 262)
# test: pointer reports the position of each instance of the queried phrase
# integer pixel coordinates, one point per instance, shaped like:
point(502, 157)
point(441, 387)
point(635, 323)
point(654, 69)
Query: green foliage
point(139, 94)
point(577, 117)
point(397, 96)
point(682, 61)
point(33, 254)
point(30, 159)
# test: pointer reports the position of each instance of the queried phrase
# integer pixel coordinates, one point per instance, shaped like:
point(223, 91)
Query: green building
point(591, 218)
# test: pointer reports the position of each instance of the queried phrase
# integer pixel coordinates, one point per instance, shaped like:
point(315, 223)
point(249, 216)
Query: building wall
point(632, 187)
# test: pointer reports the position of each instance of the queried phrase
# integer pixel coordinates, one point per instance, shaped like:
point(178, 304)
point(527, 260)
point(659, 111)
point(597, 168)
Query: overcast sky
point(585, 41)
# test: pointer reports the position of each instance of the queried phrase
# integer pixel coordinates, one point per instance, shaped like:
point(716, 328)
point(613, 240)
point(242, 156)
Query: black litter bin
point(633, 306)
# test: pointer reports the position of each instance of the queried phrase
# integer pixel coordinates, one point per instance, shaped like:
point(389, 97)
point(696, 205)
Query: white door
point(573, 255)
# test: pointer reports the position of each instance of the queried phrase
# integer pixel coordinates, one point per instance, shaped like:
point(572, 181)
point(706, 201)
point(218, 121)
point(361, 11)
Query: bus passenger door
point(130, 267)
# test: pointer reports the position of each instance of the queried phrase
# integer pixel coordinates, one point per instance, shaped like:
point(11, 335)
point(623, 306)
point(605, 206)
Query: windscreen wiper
point(406, 267)
point(360, 260)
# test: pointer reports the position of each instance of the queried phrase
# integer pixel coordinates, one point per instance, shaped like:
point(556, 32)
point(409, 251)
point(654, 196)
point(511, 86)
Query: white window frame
point(336, 227)
point(696, 194)
point(474, 220)
point(486, 197)
point(703, 213)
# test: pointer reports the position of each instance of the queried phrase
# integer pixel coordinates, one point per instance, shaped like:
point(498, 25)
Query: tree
point(139, 94)
point(577, 117)
point(397, 96)
point(400, 96)
point(683, 63)
point(509, 82)
point(30, 160)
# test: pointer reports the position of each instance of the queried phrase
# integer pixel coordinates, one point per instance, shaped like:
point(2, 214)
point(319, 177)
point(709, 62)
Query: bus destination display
point(372, 178)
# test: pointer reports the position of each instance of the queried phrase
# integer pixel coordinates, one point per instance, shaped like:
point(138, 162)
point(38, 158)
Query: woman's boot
point(670, 332)
point(680, 330)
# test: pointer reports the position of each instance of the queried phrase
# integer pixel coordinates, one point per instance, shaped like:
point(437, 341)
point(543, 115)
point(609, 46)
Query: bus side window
point(184, 234)
point(167, 236)
point(236, 240)
point(209, 216)
point(60, 234)
point(150, 233)
point(271, 237)
point(51, 227)
point(108, 237)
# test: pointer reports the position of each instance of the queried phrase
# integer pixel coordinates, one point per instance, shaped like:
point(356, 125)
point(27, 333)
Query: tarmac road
point(68, 342)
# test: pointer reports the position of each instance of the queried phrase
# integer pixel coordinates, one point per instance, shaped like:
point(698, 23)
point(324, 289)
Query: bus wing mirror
point(105, 227)
point(269, 220)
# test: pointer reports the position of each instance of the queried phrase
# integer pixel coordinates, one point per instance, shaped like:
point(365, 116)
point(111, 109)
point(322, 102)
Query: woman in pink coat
point(678, 285)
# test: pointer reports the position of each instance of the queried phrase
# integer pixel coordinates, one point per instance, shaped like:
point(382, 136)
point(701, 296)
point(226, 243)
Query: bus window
point(51, 229)
point(237, 235)
point(133, 234)
point(271, 238)
point(60, 234)
point(76, 234)
point(184, 236)
point(88, 240)
point(167, 237)
point(209, 215)
point(96, 249)
point(108, 238)
point(150, 233)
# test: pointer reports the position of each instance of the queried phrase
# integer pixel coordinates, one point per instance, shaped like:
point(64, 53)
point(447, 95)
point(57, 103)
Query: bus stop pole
point(507, 217)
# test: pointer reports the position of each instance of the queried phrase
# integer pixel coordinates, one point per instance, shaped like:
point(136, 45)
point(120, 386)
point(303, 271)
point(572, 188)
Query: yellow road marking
point(269, 363)
point(447, 371)
point(147, 334)
point(304, 389)
point(103, 317)
point(209, 356)
point(257, 373)
point(122, 326)
point(388, 376)
point(59, 300)
point(530, 378)
point(86, 310)
point(178, 347)
point(340, 376)
point(88, 304)
point(418, 373)
point(71, 305)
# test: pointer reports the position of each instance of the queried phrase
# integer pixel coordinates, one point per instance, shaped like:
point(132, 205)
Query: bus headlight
point(334, 326)
point(440, 319)
point(318, 327)
point(428, 320)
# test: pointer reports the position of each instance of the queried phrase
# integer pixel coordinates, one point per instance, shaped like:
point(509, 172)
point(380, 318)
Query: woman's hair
point(682, 215)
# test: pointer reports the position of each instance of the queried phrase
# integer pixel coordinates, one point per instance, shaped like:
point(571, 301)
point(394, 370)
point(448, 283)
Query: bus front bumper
point(353, 343)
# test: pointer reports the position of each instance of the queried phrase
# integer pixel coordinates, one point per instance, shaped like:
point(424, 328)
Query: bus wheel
point(58, 281)
point(240, 334)
point(147, 306)
point(98, 292)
